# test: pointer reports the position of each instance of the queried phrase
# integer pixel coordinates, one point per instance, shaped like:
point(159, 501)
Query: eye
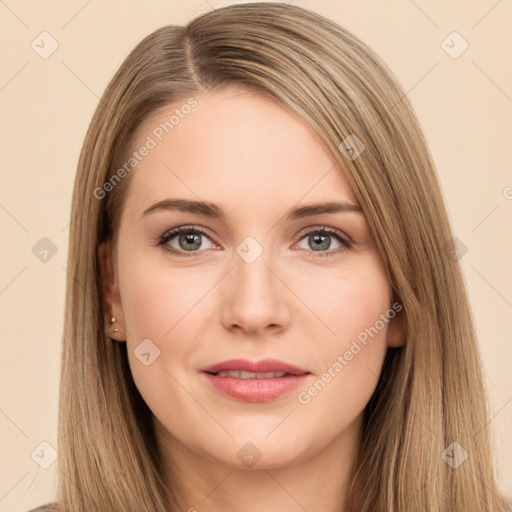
point(319, 240)
point(188, 240)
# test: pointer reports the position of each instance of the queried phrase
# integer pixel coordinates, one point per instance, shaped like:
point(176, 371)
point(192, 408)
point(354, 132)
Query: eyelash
point(198, 229)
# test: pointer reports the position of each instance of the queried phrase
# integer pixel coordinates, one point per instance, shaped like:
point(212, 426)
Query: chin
point(260, 453)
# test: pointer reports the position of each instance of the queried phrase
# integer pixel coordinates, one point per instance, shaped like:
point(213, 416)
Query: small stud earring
point(112, 320)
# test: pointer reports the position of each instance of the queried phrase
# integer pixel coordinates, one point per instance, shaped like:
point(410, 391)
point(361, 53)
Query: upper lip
point(262, 366)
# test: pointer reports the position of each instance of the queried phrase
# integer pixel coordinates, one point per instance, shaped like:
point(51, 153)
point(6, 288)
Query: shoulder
point(42, 508)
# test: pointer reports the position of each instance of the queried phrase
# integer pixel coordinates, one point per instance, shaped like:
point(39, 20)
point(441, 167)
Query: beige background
point(464, 105)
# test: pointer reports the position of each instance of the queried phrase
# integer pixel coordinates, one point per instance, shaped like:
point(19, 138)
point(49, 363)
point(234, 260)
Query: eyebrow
point(216, 212)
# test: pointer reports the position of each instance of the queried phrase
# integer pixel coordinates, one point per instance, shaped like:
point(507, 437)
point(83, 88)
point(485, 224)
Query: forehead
point(233, 146)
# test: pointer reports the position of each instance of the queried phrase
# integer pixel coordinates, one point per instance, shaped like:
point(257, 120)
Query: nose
point(255, 299)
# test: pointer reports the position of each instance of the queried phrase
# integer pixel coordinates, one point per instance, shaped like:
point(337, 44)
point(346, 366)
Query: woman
point(265, 311)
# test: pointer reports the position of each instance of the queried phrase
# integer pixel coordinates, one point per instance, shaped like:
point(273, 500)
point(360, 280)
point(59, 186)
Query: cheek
point(346, 301)
point(155, 297)
point(156, 301)
point(351, 345)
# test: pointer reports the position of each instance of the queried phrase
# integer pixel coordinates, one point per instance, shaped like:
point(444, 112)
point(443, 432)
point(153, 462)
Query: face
point(247, 279)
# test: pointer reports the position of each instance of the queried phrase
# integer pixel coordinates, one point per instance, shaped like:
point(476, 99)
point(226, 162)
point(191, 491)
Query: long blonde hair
point(431, 392)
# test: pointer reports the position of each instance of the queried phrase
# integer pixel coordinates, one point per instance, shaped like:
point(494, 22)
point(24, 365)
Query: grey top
point(42, 508)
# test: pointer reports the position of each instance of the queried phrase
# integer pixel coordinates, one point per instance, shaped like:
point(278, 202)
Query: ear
point(396, 327)
point(110, 293)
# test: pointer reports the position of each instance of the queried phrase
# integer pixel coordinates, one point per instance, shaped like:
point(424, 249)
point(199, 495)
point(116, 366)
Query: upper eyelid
point(179, 229)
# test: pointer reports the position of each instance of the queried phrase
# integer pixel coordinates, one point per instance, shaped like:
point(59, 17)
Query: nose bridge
point(253, 279)
point(256, 297)
point(253, 274)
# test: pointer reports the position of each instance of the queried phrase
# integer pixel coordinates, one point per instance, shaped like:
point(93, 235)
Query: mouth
point(264, 366)
point(241, 374)
point(254, 381)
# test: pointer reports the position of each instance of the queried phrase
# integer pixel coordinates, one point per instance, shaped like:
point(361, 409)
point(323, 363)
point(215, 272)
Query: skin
point(256, 160)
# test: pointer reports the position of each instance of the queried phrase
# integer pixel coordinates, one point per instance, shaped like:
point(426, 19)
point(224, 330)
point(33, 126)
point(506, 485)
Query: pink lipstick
point(258, 381)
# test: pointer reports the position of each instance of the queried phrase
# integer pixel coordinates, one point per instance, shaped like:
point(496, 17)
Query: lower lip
point(255, 390)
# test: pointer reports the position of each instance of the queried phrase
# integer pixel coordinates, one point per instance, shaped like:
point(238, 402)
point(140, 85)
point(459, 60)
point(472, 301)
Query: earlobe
point(112, 308)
